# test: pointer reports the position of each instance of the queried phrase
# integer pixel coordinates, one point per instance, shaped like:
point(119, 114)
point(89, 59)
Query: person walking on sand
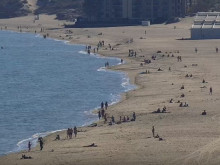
point(29, 146)
point(210, 91)
point(153, 131)
point(216, 49)
point(75, 131)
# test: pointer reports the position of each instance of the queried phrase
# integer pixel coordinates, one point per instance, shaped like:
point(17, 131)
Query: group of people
point(70, 132)
point(179, 58)
point(107, 64)
point(183, 105)
point(104, 105)
point(156, 136)
point(123, 119)
point(88, 49)
point(132, 53)
point(101, 112)
point(188, 75)
point(164, 110)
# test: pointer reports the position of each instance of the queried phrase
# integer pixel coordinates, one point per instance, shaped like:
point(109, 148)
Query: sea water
point(48, 85)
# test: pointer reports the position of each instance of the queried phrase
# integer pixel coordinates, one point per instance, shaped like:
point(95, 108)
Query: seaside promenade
point(187, 136)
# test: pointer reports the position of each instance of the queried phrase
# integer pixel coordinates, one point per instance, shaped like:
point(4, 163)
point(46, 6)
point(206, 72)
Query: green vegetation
point(12, 8)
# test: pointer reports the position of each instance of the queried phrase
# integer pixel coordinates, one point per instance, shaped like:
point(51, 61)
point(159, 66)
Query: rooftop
point(206, 20)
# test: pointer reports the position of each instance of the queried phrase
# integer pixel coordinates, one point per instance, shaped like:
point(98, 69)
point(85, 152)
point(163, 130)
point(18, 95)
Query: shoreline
point(188, 137)
point(33, 138)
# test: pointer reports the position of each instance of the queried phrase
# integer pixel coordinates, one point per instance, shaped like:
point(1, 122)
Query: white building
point(206, 26)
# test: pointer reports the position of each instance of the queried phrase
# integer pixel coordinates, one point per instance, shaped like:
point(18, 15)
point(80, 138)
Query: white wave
point(114, 99)
point(102, 69)
point(126, 83)
point(23, 144)
point(82, 52)
point(99, 56)
point(38, 36)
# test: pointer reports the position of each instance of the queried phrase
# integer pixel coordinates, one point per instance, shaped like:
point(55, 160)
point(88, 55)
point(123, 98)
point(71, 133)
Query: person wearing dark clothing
point(134, 116)
point(75, 131)
point(210, 90)
point(204, 112)
point(40, 139)
point(113, 119)
point(102, 105)
point(99, 115)
point(102, 113)
point(153, 131)
point(29, 146)
point(106, 105)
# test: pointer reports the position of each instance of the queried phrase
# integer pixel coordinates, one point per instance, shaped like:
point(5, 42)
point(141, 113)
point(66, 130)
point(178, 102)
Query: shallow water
point(48, 85)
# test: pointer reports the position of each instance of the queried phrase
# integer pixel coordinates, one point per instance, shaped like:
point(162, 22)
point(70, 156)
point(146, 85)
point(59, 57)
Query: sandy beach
point(187, 137)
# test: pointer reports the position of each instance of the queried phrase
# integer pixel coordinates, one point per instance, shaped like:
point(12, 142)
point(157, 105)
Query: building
point(133, 11)
point(191, 6)
point(206, 26)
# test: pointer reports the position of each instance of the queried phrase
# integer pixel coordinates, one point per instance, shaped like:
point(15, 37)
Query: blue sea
point(48, 85)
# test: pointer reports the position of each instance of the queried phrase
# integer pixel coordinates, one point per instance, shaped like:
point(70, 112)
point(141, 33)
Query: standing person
point(153, 131)
point(196, 50)
point(99, 115)
point(103, 113)
point(29, 146)
point(102, 105)
point(75, 131)
point(106, 105)
point(105, 118)
point(210, 90)
point(68, 133)
point(71, 133)
point(134, 116)
point(41, 143)
point(216, 49)
point(113, 119)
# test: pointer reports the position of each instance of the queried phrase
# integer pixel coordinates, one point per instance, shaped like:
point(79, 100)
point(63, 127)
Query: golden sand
point(188, 137)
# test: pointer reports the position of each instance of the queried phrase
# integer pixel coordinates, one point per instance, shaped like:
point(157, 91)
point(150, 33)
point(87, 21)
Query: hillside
point(12, 8)
point(65, 9)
